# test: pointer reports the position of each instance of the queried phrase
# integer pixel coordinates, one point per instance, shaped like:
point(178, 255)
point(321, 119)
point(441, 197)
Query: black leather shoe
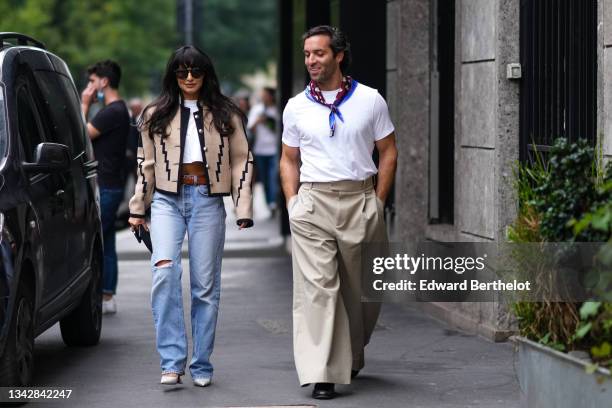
point(354, 373)
point(323, 391)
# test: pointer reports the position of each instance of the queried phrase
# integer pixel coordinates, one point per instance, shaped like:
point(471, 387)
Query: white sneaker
point(109, 306)
point(170, 379)
point(201, 382)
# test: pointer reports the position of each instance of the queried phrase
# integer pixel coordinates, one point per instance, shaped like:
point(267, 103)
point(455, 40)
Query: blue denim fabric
point(267, 172)
point(110, 198)
point(203, 218)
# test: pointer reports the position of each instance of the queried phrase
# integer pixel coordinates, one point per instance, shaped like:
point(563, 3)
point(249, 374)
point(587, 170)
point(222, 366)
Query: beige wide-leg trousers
point(331, 326)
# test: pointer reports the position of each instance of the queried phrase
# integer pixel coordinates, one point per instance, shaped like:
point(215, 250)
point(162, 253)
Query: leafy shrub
point(566, 198)
point(569, 189)
point(595, 331)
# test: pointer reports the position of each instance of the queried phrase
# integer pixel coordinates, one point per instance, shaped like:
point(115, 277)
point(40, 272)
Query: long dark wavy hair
point(165, 106)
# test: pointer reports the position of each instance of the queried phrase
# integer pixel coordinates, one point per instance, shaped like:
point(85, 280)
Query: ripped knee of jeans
point(164, 263)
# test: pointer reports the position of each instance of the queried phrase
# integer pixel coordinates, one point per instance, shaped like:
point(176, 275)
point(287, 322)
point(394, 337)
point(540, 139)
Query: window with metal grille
point(559, 85)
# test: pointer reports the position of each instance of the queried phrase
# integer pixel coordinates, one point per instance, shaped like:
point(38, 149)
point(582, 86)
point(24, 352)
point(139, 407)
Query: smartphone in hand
point(143, 235)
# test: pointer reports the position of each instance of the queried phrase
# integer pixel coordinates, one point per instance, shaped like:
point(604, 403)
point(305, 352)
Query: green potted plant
point(565, 349)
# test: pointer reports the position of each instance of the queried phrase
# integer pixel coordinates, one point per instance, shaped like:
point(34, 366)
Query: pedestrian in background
point(329, 133)
point(109, 131)
point(193, 151)
point(135, 105)
point(242, 100)
point(263, 119)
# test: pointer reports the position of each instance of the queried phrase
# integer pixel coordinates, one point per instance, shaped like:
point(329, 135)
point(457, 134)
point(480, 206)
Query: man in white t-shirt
point(262, 122)
point(330, 131)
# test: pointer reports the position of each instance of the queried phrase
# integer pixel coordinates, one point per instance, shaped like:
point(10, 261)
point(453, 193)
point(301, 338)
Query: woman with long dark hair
point(194, 150)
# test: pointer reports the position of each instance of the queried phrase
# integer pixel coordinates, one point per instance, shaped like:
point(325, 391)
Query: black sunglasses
point(183, 73)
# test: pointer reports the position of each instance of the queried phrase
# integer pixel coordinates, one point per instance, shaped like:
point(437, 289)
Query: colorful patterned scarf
point(346, 90)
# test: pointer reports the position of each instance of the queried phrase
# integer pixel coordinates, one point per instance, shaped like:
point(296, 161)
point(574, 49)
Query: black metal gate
point(559, 60)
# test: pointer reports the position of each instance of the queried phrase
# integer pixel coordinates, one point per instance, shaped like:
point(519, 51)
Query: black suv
point(50, 244)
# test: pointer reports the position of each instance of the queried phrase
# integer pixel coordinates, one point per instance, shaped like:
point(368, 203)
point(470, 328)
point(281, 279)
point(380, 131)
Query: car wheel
point(17, 363)
point(83, 325)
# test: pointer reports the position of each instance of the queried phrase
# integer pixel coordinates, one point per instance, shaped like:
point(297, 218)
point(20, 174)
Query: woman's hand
point(135, 222)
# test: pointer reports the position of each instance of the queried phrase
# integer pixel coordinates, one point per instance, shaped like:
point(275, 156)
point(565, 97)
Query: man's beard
point(322, 77)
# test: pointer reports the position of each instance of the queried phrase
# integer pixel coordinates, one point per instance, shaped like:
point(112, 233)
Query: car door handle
point(59, 193)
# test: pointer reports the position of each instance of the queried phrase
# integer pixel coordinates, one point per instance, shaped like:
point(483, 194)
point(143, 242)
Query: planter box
point(549, 378)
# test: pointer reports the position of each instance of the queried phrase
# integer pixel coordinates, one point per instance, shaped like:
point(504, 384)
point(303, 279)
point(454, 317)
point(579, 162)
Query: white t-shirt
point(348, 154)
point(265, 133)
point(192, 151)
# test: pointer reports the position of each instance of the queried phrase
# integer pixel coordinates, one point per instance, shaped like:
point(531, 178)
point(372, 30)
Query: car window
point(29, 133)
point(3, 129)
point(74, 112)
point(58, 111)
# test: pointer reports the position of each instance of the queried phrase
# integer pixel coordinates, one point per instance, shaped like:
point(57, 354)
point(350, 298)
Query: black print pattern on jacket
point(243, 176)
point(165, 152)
point(219, 157)
point(141, 173)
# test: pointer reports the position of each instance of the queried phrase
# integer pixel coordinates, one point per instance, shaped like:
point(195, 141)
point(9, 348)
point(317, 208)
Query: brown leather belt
point(193, 180)
point(194, 174)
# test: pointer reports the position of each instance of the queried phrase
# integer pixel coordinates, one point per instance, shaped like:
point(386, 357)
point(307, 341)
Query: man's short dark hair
point(271, 91)
point(338, 42)
point(107, 69)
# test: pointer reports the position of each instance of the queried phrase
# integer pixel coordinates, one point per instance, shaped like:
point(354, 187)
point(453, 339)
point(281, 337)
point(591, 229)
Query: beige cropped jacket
point(228, 161)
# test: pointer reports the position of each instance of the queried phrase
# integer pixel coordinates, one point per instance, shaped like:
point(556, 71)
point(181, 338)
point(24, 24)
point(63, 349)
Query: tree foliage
point(239, 35)
point(141, 35)
point(137, 35)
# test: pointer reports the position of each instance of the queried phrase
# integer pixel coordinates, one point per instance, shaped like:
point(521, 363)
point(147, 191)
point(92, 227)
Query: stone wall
point(486, 134)
point(408, 97)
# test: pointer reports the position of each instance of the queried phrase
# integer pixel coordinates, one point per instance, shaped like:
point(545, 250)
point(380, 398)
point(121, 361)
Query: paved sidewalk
point(413, 360)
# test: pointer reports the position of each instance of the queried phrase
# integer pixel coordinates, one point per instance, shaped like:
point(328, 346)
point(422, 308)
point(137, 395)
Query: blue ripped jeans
point(202, 217)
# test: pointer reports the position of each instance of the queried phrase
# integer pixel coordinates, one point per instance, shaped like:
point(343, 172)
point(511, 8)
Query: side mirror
point(49, 158)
